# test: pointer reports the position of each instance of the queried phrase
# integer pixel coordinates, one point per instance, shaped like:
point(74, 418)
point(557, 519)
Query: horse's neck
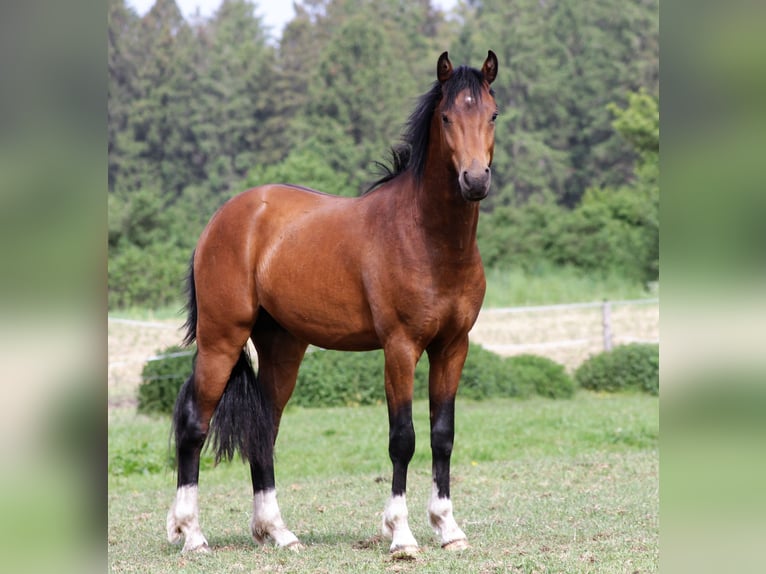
point(448, 219)
point(444, 219)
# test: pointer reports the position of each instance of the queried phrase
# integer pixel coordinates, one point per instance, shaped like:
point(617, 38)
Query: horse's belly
point(324, 306)
point(325, 325)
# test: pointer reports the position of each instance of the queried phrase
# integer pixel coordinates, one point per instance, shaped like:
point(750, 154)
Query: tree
point(357, 98)
point(242, 106)
point(561, 63)
point(121, 29)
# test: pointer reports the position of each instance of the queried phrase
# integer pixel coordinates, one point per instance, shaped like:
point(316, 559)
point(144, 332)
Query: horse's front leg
point(399, 375)
point(446, 367)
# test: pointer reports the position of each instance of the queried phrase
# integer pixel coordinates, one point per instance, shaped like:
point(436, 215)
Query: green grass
point(512, 288)
point(538, 486)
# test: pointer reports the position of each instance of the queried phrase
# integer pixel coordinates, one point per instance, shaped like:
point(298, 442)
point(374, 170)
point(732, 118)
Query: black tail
point(191, 306)
point(244, 419)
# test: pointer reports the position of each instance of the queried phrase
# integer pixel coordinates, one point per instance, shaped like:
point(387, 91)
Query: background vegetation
point(199, 111)
point(333, 378)
point(627, 367)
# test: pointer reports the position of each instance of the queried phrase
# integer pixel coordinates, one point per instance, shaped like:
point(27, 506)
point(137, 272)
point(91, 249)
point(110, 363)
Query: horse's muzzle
point(474, 183)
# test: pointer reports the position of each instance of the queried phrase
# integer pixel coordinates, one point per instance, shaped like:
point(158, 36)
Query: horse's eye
point(494, 117)
point(445, 119)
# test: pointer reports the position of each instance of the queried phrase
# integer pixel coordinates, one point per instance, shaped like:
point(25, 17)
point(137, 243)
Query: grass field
point(539, 486)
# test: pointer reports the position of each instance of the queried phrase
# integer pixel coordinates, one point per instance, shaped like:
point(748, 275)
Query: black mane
point(411, 152)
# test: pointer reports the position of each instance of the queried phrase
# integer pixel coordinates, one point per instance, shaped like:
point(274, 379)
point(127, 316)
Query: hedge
point(627, 367)
point(333, 378)
point(161, 380)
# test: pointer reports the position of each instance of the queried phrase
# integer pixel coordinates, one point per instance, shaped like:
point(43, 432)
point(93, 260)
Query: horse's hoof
point(175, 536)
point(454, 545)
point(201, 549)
point(404, 552)
point(260, 538)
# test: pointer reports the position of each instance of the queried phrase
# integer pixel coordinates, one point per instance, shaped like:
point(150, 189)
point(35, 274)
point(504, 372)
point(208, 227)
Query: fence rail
point(564, 306)
point(568, 333)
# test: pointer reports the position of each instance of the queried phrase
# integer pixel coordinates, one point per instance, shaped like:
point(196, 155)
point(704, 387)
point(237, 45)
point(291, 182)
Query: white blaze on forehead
point(469, 101)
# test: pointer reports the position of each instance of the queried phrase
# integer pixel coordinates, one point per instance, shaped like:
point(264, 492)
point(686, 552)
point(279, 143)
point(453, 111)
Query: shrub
point(162, 378)
point(635, 366)
point(332, 378)
point(534, 374)
point(485, 375)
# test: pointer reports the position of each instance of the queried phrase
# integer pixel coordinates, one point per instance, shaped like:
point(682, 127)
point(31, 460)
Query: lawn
point(538, 486)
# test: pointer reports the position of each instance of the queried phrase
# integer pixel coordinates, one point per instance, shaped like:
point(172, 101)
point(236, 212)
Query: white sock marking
point(441, 519)
point(183, 520)
point(395, 525)
point(267, 520)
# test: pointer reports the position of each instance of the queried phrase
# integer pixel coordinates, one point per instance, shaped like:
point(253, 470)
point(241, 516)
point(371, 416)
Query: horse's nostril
point(486, 170)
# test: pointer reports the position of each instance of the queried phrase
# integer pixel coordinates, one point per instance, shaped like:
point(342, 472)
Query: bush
point(533, 374)
point(333, 378)
point(161, 379)
point(635, 366)
point(486, 375)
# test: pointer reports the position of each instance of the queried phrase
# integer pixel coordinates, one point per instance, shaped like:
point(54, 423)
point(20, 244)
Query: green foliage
point(161, 379)
point(302, 167)
point(609, 232)
point(200, 110)
point(486, 375)
point(149, 277)
point(639, 122)
point(548, 285)
point(331, 378)
point(137, 459)
point(627, 367)
point(334, 378)
point(520, 235)
point(534, 374)
point(150, 244)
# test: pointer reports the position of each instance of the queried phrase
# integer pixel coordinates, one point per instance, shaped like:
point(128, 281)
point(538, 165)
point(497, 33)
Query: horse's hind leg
point(279, 357)
point(196, 402)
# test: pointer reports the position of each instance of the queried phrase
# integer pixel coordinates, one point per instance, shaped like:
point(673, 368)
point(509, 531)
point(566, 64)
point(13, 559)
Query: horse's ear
point(489, 69)
point(443, 68)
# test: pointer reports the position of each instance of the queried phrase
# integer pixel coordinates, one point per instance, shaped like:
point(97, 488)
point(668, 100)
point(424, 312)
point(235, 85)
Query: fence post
point(606, 320)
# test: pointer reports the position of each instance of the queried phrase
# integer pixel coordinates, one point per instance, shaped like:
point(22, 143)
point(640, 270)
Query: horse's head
point(467, 115)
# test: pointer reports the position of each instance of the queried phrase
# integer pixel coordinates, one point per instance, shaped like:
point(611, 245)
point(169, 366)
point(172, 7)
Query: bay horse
point(396, 268)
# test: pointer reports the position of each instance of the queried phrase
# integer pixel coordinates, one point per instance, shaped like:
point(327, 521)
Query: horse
point(397, 268)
